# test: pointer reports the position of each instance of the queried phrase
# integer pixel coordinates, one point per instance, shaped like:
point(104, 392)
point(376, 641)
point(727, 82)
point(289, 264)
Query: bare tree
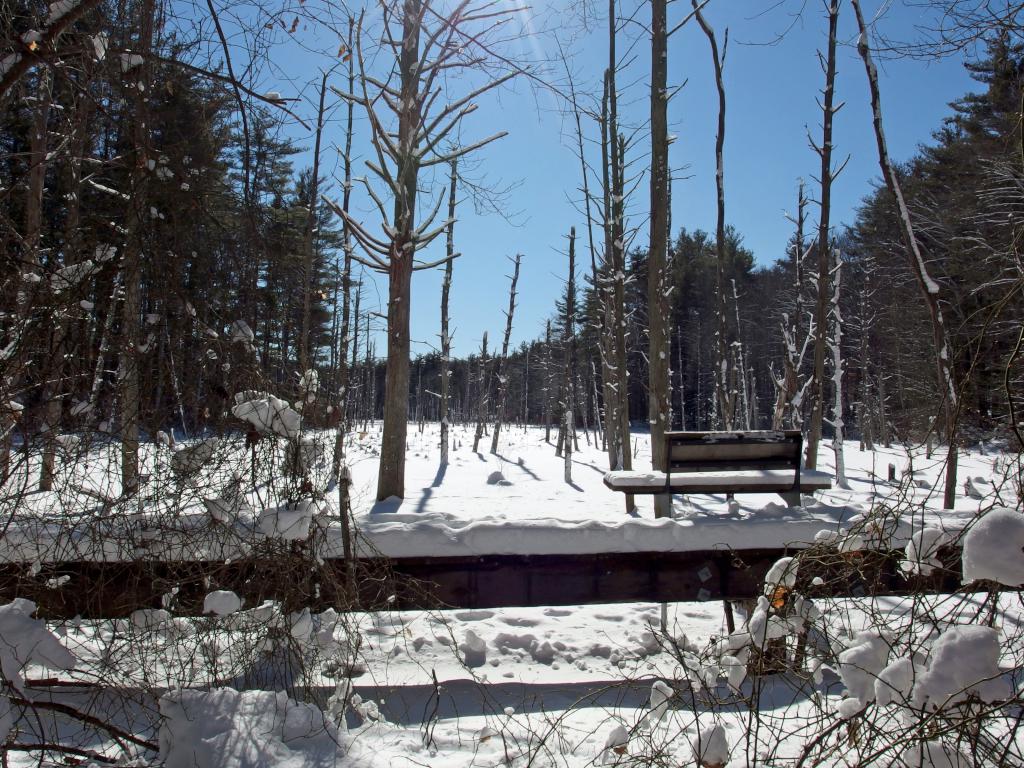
point(569, 360)
point(836, 343)
point(725, 370)
point(407, 128)
point(128, 370)
point(446, 338)
point(929, 288)
point(499, 371)
point(659, 403)
point(790, 390)
point(483, 385)
point(824, 151)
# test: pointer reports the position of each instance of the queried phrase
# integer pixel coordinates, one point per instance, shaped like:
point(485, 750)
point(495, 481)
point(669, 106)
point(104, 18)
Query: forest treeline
point(157, 224)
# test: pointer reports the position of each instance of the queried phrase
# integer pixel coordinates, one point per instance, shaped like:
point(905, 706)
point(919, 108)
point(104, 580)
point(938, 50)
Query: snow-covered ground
point(537, 686)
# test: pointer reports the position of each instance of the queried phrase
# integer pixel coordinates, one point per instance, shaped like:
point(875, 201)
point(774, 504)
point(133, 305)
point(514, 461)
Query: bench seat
point(745, 481)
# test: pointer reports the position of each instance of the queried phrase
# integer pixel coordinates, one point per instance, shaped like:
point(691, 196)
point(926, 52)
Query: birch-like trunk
point(446, 339)
point(821, 308)
point(500, 372)
point(929, 288)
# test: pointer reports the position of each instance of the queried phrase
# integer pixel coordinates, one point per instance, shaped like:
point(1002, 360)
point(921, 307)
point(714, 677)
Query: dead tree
point(446, 339)
point(789, 389)
point(409, 120)
point(344, 368)
point(137, 83)
point(836, 422)
point(725, 370)
point(565, 442)
point(659, 402)
point(929, 288)
point(483, 384)
point(499, 371)
point(824, 151)
point(613, 272)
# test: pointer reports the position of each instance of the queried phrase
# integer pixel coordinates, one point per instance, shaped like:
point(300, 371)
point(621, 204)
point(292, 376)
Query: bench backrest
point(733, 451)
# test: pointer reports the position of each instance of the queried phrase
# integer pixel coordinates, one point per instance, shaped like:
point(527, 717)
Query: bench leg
point(792, 498)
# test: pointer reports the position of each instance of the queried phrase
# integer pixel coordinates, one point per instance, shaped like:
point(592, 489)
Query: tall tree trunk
point(929, 288)
point(391, 475)
point(309, 239)
point(725, 370)
point(837, 375)
point(128, 371)
point(568, 351)
point(446, 339)
point(483, 382)
point(659, 403)
point(500, 372)
point(344, 370)
point(824, 151)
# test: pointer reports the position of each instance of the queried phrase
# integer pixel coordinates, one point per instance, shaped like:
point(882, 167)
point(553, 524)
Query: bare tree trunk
point(568, 350)
point(725, 370)
point(309, 246)
point(659, 402)
point(484, 385)
point(547, 384)
point(929, 288)
point(500, 372)
point(821, 311)
point(128, 372)
point(837, 375)
point(446, 339)
point(391, 476)
point(344, 370)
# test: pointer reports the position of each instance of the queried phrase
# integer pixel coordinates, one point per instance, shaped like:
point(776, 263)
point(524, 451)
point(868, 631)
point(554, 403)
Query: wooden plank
point(112, 590)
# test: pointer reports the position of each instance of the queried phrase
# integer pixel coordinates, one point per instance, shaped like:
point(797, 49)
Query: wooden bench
point(730, 463)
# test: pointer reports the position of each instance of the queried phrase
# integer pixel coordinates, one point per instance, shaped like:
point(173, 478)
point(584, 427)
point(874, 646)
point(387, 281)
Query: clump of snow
point(964, 660)
point(935, 754)
point(497, 478)
point(222, 602)
point(309, 382)
point(661, 694)
point(710, 746)
point(922, 550)
point(847, 708)
point(782, 575)
point(241, 332)
point(288, 522)
point(895, 682)
point(994, 548)
point(189, 460)
point(615, 744)
point(225, 727)
point(474, 650)
point(25, 640)
point(861, 663)
point(130, 61)
point(268, 414)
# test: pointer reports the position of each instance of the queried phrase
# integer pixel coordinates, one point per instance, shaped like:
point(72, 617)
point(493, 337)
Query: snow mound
point(935, 754)
point(225, 728)
point(862, 663)
point(922, 550)
point(963, 660)
point(222, 602)
point(710, 746)
point(24, 640)
point(267, 414)
point(288, 522)
point(994, 548)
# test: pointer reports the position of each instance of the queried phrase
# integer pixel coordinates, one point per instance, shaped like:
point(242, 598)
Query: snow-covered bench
point(730, 463)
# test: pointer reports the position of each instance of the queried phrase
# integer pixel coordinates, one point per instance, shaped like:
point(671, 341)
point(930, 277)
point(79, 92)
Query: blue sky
point(771, 93)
